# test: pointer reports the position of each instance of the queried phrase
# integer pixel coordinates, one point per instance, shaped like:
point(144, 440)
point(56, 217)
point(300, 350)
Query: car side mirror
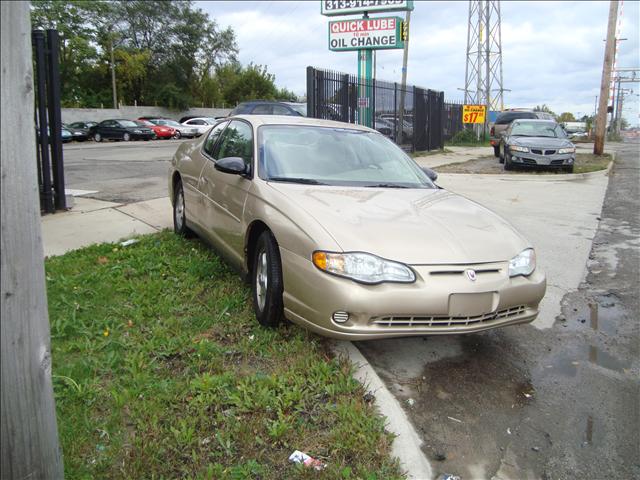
point(232, 165)
point(433, 176)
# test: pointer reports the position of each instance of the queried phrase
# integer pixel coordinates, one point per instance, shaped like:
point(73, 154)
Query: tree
point(566, 117)
point(544, 108)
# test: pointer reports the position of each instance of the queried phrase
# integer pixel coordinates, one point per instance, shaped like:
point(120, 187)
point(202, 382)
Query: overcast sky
point(552, 51)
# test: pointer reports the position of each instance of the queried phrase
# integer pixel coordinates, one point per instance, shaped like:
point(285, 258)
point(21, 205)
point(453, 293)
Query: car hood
point(541, 142)
point(414, 226)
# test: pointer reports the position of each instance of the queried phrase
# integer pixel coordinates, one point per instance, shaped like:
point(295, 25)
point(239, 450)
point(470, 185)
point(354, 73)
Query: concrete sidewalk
point(94, 221)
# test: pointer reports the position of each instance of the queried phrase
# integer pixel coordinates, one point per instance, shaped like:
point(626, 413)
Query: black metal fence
point(416, 119)
point(48, 120)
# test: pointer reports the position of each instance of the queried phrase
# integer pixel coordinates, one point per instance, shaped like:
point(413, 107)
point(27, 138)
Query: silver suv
point(504, 120)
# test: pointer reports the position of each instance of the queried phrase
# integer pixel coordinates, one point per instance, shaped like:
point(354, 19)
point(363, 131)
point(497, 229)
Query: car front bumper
point(442, 300)
point(533, 159)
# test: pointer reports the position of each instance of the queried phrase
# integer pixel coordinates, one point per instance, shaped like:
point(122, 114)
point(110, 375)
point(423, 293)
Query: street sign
point(363, 102)
point(365, 33)
point(473, 113)
point(352, 7)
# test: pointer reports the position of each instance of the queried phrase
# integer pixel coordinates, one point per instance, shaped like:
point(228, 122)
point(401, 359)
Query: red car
point(161, 131)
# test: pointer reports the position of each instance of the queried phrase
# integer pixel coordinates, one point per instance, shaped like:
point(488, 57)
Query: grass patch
point(428, 153)
point(161, 371)
point(588, 162)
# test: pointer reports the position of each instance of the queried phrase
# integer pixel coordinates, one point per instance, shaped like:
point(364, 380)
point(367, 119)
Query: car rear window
point(506, 118)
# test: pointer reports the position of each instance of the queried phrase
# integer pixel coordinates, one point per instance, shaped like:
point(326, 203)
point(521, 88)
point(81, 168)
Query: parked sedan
point(341, 232)
point(181, 130)
point(161, 131)
point(77, 134)
point(530, 143)
point(120, 129)
point(202, 124)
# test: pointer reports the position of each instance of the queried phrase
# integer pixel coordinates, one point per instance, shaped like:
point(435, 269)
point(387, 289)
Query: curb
point(406, 445)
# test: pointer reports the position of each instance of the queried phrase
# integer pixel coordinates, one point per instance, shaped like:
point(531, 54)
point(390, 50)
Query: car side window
point(280, 110)
point(263, 110)
point(196, 122)
point(237, 141)
point(211, 140)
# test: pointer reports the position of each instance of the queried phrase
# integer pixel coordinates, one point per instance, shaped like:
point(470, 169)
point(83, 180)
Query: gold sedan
point(339, 231)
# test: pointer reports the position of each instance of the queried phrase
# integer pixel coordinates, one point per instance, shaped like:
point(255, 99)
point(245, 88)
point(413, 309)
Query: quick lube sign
point(366, 33)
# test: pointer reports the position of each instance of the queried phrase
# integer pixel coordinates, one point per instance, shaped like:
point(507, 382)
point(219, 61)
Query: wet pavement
point(541, 403)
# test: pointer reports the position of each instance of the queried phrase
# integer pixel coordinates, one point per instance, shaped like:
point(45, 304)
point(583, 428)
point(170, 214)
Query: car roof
point(259, 120)
point(534, 120)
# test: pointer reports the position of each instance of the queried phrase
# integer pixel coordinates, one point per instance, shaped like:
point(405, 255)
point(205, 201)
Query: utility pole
point(405, 58)
point(113, 70)
point(29, 433)
point(601, 120)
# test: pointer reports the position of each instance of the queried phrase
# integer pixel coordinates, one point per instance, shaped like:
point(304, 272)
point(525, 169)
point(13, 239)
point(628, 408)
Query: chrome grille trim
point(436, 321)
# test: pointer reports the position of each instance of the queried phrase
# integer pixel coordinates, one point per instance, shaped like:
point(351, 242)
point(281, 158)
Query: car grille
point(537, 151)
point(557, 162)
point(529, 161)
point(408, 321)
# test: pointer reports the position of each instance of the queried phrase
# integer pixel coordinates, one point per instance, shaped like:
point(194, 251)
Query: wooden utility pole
point(609, 51)
point(29, 432)
point(405, 58)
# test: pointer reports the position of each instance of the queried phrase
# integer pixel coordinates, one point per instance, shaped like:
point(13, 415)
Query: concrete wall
point(70, 115)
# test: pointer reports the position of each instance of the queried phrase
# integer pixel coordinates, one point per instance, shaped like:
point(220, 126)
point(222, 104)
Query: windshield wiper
point(306, 181)
point(386, 185)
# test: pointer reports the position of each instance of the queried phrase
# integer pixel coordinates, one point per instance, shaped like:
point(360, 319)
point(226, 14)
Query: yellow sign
point(473, 113)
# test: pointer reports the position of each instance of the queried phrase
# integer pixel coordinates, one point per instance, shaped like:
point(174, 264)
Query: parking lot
point(553, 399)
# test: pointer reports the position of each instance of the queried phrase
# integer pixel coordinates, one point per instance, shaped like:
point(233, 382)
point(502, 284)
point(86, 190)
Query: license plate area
point(472, 304)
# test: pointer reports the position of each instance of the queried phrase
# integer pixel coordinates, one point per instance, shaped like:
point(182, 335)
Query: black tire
point(496, 150)
point(97, 137)
point(126, 136)
point(179, 215)
point(508, 165)
point(266, 281)
point(500, 155)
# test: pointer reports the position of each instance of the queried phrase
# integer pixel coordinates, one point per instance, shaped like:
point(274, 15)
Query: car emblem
point(471, 274)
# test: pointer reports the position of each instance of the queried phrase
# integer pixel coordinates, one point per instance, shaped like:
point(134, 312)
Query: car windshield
point(300, 108)
point(140, 123)
point(171, 123)
point(127, 123)
point(146, 123)
point(537, 129)
point(337, 157)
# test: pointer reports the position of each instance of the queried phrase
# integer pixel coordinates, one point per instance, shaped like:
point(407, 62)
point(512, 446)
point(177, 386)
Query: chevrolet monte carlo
point(339, 231)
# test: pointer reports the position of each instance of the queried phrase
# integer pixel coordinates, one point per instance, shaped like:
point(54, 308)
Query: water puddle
point(567, 364)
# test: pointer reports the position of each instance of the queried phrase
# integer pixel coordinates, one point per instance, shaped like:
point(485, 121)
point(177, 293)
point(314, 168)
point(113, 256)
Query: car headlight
point(363, 267)
point(567, 150)
point(523, 264)
point(137, 131)
point(518, 148)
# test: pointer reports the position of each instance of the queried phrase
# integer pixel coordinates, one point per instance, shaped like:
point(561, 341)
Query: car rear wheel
point(179, 215)
point(126, 137)
point(97, 137)
point(500, 154)
point(267, 284)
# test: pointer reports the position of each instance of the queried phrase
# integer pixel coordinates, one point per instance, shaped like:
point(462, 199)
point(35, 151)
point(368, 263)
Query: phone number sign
point(366, 33)
point(474, 113)
point(350, 7)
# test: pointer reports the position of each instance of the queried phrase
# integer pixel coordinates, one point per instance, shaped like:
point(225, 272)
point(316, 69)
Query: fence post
point(311, 93)
point(55, 119)
point(43, 127)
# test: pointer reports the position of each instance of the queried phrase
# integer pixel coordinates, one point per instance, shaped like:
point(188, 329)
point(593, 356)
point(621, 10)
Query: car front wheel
point(126, 137)
point(267, 284)
point(97, 137)
point(179, 215)
point(508, 165)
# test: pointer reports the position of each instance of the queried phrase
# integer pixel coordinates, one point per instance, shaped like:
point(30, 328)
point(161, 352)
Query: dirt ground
point(585, 162)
